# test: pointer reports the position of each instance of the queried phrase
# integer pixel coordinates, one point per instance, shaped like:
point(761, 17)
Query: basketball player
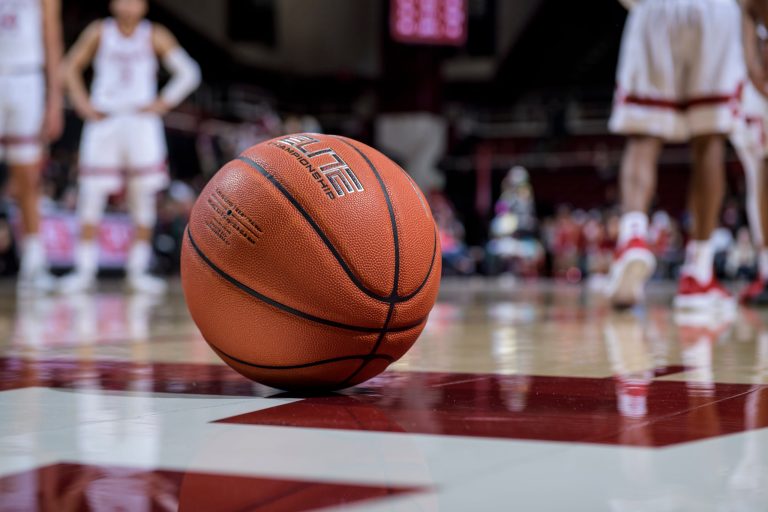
point(30, 114)
point(123, 130)
point(750, 138)
point(680, 73)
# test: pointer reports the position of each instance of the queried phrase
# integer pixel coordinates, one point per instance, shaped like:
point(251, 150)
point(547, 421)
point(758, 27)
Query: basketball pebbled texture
point(311, 262)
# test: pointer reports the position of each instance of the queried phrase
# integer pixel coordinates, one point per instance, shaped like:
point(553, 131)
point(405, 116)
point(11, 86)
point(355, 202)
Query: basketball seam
point(284, 190)
point(285, 308)
point(411, 295)
point(393, 298)
point(303, 365)
point(392, 217)
point(275, 181)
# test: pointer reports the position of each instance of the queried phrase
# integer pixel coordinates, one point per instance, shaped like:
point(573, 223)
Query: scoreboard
point(440, 22)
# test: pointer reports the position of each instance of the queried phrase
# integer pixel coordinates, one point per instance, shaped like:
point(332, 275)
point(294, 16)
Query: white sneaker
point(632, 266)
point(146, 283)
point(40, 281)
point(76, 282)
point(712, 296)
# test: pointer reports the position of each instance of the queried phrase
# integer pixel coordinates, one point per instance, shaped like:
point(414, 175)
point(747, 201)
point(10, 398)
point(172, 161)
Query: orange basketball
point(311, 262)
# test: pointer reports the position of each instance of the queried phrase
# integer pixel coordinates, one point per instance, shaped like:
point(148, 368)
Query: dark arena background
point(532, 387)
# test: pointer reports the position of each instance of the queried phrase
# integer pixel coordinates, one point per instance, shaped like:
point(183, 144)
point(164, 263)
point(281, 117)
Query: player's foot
point(146, 283)
point(76, 283)
point(632, 266)
point(693, 295)
point(756, 294)
point(40, 281)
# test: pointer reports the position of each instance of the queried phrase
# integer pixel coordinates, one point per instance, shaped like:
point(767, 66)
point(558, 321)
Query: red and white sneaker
point(693, 295)
point(633, 264)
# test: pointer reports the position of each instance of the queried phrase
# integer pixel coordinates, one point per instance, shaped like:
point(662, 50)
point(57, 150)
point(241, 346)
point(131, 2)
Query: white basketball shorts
point(681, 69)
point(123, 146)
point(22, 109)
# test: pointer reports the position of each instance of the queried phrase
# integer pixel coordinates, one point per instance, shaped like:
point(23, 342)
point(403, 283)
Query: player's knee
point(91, 203)
point(142, 205)
point(709, 146)
point(644, 146)
point(25, 179)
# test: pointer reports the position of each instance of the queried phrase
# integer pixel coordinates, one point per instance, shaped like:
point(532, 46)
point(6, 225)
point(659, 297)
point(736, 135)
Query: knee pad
point(92, 198)
point(142, 201)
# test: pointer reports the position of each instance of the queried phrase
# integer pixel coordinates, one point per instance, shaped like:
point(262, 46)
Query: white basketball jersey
point(124, 69)
point(21, 35)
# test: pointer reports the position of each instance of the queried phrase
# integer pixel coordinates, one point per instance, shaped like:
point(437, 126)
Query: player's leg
point(24, 188)
point(99, 177)
point(634, 262)
point(25, 163)
point(762, 201)
point(757, 211)
point(142, 203)
point(713, 83)
point(705, 197)
point(698, 287)
point(638, 173)
point(749, 141)
point(148, 176)
point(646, 111)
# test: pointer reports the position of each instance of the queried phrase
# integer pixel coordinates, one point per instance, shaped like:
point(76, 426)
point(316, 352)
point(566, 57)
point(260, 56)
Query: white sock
point(87, 258)
point(762, 263)
point(32, 254)
point(699, 260)
point(139, 258)
point(632, 225)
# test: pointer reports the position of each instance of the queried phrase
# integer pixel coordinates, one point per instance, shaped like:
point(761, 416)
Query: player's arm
point(75, 63)
point(185, 72)
point(751, 43)
point(53, 123)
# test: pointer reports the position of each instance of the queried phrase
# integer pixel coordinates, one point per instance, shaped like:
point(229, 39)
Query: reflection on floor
point(114, 401)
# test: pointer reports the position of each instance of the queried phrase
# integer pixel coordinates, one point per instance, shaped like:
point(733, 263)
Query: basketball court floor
point(518, 396)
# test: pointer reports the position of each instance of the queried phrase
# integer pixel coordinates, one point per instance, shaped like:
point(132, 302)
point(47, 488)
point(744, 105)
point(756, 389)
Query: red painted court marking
point(522, 407)
point(564, 409)
point(76, 487)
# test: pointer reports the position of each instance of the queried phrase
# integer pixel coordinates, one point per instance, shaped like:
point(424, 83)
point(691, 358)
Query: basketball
point(311, 262)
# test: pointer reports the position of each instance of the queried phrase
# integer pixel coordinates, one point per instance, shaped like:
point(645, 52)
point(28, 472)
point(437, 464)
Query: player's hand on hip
point(158, 107)
point(88, 113)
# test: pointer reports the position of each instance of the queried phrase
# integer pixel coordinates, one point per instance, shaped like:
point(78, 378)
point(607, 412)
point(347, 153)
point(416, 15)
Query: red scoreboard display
point(442, 22)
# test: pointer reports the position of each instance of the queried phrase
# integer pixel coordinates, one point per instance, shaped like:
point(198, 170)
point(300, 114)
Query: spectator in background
point(514, 245)
point(173, 215)
point(741, 257)
point(456, 256)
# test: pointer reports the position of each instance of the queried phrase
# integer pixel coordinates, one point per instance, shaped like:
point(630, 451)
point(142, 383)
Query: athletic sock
point(87, 258)
point(632, 225)
point(699, 260)
point(139, 258)
point(32, 254)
